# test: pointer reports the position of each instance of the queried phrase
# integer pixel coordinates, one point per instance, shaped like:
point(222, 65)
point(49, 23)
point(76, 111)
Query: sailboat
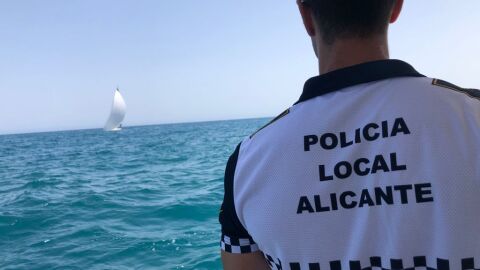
point(117, 114)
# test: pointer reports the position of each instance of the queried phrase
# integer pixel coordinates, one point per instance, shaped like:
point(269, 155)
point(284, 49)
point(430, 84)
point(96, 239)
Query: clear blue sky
point(190, 60)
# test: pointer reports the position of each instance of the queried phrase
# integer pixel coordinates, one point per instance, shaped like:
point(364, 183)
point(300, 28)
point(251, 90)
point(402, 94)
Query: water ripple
point(143, 198)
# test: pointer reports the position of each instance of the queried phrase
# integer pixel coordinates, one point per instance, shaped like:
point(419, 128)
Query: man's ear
point(397, 8)
point(307, 17)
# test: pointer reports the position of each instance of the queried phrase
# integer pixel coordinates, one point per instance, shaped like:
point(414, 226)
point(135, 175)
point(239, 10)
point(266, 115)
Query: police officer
point(376, 166)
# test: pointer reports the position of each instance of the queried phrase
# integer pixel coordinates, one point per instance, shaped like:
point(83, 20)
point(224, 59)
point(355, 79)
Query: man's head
point(348, 19)
point(349, 32)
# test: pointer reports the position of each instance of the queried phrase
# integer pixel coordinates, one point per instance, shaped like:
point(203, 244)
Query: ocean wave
point(143, 198)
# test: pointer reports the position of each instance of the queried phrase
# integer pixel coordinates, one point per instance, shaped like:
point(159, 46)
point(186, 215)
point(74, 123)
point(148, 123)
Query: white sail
point(117, 113)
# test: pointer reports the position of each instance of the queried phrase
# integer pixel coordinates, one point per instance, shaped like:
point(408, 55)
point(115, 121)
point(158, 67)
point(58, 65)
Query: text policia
point(376, 196)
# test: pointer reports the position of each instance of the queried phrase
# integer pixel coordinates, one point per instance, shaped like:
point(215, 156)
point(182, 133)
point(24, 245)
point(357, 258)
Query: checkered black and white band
point(378, 263)
point(238, 245)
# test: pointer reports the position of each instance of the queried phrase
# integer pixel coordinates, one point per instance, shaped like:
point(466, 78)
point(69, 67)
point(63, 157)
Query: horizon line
point(134, 125)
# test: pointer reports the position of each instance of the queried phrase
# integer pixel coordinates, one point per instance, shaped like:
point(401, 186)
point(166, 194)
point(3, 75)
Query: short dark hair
point(351, 18)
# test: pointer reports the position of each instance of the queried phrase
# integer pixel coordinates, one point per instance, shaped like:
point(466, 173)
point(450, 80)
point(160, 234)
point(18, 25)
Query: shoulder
point(472, 93)
point(273, 121)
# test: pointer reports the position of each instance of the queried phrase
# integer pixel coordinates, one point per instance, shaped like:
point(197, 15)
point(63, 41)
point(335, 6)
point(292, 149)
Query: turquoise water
point(143, 198)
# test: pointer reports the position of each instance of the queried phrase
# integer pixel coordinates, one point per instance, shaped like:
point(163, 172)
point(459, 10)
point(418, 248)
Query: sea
point(142, 198)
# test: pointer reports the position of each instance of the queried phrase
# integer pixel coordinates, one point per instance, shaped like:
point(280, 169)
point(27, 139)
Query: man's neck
point(348, 52)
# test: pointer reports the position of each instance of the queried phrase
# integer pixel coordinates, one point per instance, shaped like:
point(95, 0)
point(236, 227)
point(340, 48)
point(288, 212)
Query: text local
point(362, 167)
